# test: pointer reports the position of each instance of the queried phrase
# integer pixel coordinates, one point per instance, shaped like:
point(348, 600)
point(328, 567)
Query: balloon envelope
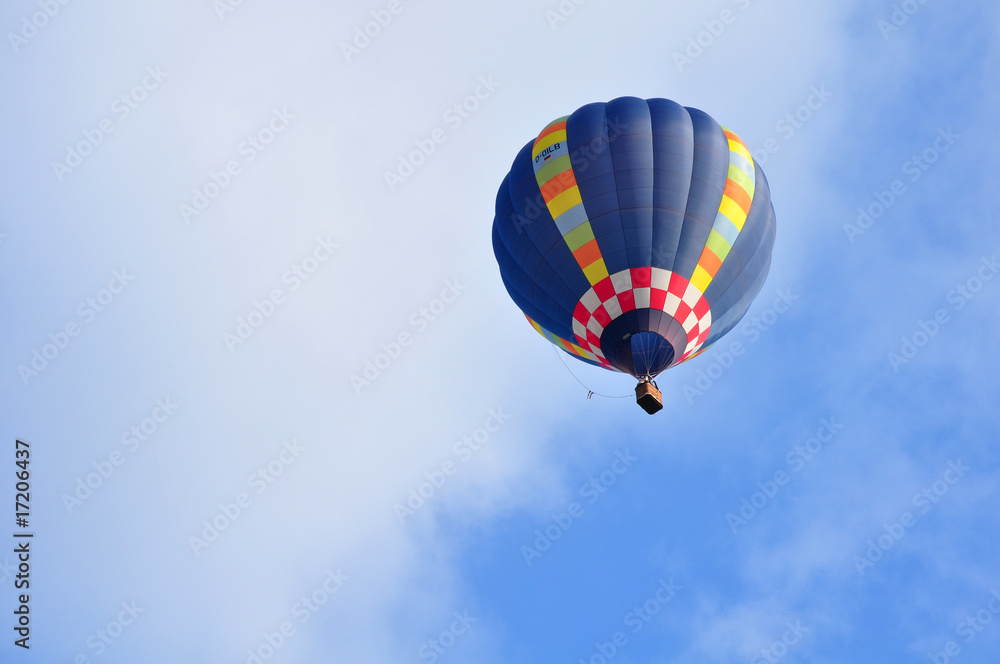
point(635, 233)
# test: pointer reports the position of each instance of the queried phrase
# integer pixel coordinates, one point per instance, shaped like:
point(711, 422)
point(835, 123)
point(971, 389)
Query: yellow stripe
point(700, 280)
point(565, 201)
point(550, 140)
point(738, 148)
point(563, 343)
point(733, 211)
point(596, 271)
point(586, 354)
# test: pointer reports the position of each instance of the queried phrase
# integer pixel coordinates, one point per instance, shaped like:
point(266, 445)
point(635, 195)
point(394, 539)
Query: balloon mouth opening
point(643, 355)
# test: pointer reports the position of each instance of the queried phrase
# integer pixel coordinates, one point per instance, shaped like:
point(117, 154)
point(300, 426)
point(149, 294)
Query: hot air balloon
point(633, 234)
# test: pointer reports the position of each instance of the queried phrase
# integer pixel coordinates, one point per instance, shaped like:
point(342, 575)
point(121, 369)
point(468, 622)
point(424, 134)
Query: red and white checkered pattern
point(642, 288)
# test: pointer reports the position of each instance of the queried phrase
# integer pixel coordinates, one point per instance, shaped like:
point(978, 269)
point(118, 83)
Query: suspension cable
point(590, 391)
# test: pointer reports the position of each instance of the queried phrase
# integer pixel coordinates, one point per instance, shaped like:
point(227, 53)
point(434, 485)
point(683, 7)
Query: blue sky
point(246, 256)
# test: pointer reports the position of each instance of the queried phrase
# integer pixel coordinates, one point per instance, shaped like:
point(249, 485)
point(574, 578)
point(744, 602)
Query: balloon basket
point(648, 397)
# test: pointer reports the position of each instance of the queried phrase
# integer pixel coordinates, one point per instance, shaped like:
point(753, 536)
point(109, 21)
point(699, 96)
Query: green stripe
point(737, 175)
point(552, 169)
point(579, 236)
point(718, 245)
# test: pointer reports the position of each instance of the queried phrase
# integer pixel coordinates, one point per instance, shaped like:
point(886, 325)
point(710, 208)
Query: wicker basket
point(647, 396)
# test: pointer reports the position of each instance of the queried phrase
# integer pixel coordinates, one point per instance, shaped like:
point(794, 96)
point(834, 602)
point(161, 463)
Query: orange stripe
point(588, 253)
point(558, 184)
point(739, 195)
point(551, 129)
point(731, 136)
point(709, 261)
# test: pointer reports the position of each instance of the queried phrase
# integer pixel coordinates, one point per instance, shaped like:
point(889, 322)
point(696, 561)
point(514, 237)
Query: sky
point(278, 406)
